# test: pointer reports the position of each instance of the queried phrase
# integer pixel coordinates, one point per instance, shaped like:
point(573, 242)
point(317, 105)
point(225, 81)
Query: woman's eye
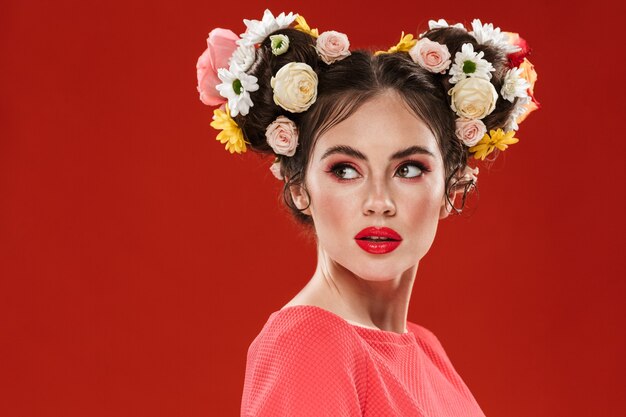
point(409, 171)
point(345, 172)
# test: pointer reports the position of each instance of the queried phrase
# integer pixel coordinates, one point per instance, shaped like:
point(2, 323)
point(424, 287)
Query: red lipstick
point(378, 240)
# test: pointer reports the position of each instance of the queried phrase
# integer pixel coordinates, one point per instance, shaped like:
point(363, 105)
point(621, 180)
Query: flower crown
point(224, 81)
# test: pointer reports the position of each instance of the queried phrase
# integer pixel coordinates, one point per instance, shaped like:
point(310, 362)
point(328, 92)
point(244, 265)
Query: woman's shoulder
point(422, 333)
point(430, 344)
point(301, 323)
point(306, 334)
point(304, 362)
point(425, 337)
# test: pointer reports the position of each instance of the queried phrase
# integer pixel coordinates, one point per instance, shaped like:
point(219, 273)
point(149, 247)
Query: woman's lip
point(378, 248)
point(378, 232)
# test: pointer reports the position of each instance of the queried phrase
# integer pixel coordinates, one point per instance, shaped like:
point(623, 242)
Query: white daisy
point(441, 23)
point(236, 87)
point(518, 110)
point(468, 63)
point(488, 34)
point(242, 58)
point(514, 85)
point(284, 20)
point(257, 30)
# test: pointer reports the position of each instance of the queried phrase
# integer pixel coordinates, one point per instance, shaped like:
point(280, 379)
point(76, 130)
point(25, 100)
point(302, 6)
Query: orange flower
point(530, 75)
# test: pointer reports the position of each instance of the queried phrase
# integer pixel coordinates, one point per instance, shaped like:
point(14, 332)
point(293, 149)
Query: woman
point(373, 150)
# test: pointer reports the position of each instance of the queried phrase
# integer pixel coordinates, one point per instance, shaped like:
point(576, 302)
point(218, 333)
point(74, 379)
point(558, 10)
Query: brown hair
point(346, 84)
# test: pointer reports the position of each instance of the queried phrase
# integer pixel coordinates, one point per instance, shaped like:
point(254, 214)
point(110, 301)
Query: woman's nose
point(378, 200)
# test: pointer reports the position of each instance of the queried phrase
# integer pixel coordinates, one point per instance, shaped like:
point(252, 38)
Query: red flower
point(516, 58)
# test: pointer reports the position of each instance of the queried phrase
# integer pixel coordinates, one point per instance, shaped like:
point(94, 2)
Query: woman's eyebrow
point(412, 150)
point(348, 150)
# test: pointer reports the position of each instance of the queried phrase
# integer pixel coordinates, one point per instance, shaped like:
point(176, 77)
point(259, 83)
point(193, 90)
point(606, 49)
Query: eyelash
point(417, 164)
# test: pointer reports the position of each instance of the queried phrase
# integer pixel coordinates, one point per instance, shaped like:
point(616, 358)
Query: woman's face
point(379, 168)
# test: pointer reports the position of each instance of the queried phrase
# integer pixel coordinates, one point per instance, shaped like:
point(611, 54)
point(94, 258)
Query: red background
point(138, 259)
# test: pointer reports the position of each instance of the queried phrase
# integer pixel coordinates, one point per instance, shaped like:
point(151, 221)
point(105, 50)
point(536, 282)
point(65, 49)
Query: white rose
point(332, 46)
point(295, 87)
point(473, 98)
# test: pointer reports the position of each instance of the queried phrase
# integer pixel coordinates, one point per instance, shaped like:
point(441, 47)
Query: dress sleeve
point(304, 366)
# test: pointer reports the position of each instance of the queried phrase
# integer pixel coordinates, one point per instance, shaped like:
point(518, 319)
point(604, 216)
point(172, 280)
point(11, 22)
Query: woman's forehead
point(381, 126)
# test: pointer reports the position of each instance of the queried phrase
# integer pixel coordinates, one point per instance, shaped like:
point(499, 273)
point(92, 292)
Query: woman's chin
point(382, 271)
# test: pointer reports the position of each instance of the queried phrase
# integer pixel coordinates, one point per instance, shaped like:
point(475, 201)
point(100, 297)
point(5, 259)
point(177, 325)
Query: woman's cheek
point(333, 206)
point(333, 202)
point(422, 204)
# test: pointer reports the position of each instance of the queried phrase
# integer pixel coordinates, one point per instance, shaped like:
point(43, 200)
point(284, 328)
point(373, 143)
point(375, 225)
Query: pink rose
point(220, 47)
point(332, 46)
point(470, 131)
point(430, 55)
point(275, 168)
point(282, 136)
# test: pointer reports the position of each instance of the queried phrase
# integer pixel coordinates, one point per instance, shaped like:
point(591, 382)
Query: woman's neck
point(381, 304)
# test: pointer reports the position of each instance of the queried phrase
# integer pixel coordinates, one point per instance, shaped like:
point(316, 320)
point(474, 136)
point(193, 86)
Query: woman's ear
point(446, 206)
point(465, 183)
point(300, 197)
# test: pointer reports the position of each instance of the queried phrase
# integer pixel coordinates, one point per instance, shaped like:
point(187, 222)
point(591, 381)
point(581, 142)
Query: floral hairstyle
point(280, 86)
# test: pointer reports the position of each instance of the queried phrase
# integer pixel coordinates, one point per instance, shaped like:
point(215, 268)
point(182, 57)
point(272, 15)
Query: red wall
point(138, 259)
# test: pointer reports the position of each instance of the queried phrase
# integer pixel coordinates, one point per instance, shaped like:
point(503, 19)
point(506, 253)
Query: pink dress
point(310, 362)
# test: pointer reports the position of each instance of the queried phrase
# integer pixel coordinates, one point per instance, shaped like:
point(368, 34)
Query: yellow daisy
point(231, 134)
point(493, 139)
point(406, 43)
point(303, 26)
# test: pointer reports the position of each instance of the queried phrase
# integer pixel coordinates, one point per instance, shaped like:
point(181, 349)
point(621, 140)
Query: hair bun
point(301, 49)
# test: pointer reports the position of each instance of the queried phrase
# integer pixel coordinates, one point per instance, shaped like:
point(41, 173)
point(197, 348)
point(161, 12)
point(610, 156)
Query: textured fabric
point(310, 362)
